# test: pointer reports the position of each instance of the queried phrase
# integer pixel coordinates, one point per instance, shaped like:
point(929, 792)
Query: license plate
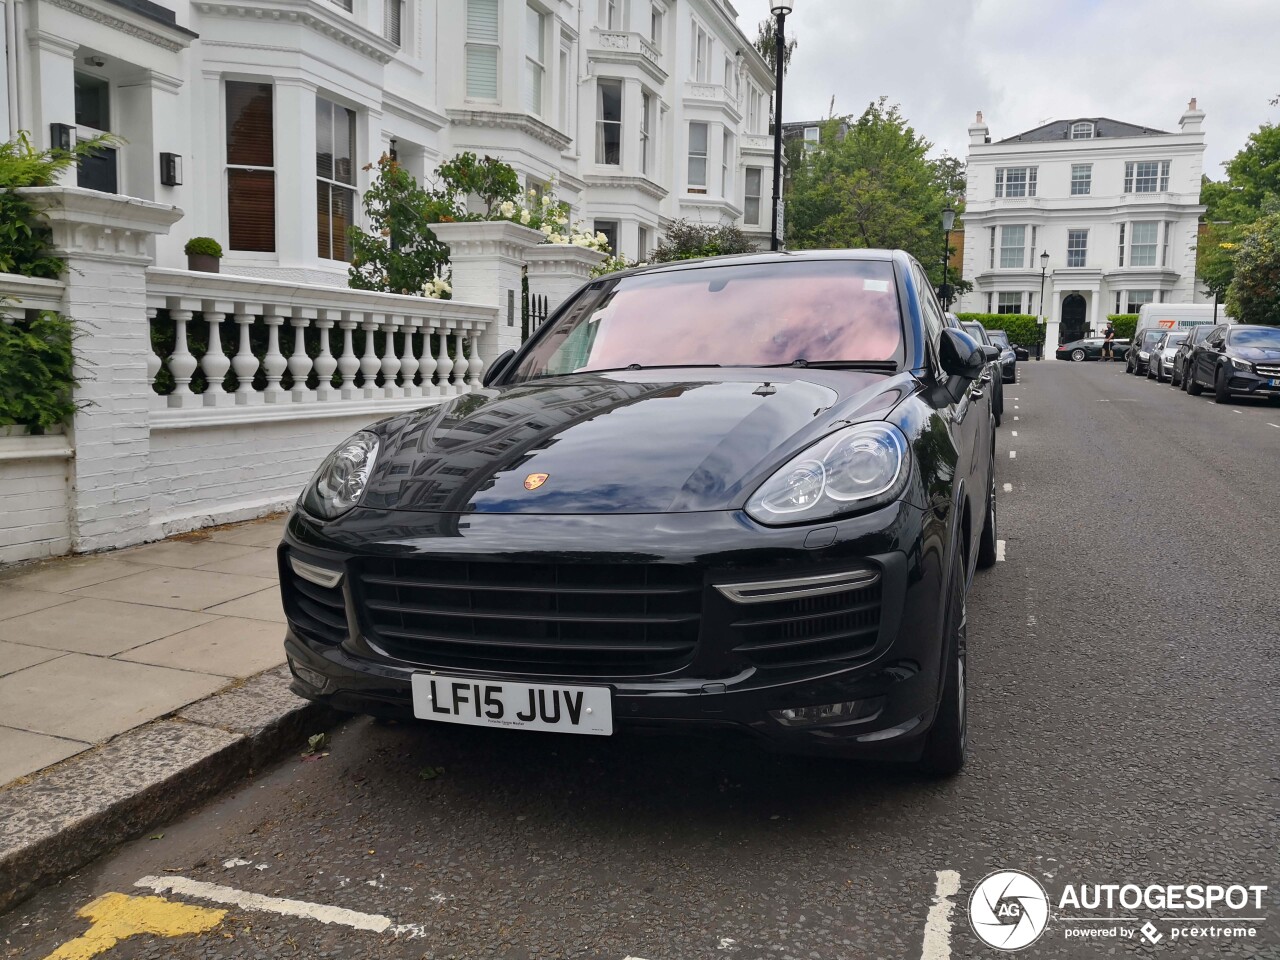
point(1275, 382)
point(503, 703)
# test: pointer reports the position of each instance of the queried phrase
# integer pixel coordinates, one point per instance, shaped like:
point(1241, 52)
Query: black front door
point(1072, 326)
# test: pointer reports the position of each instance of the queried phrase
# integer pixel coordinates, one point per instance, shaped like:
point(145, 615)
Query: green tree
point(874, 187)
point(398, 253)
point(767, 43)
point(685, 240)
point(1251, 188)
point(1254, 294)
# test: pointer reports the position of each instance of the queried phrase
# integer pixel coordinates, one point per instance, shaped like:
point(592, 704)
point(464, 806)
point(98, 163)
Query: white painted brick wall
point(33, 509)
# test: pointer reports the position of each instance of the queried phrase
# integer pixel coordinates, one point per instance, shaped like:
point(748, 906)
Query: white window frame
point(1005, 295)
point(601, 122)
point(613, 15)
point(749, 198)
point(1164, 248)
point(1025, 182)
point(1006, 248)
point(1081, 185)
point(726, 164)
point(1122, 236)
point(696, 186)
point(535, 61)
point(608, 225)
point(646, 133)
point(642, 242)
point(393, 28)
point(478, 43)
point(991, 265)
point(1150, 249)
point(1146, 176)
point(332, 182)
point(567, 85)
point(1077, 247)
point(657, 20)
point(1082, 130)
point(701, 50)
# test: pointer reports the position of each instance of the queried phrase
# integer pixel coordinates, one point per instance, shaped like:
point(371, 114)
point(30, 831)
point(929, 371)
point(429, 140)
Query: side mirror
point(990, 353)
point(496, 368)
point(961, 355)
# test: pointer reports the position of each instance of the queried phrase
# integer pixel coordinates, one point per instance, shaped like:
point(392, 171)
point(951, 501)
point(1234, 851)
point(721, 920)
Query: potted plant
point(203, 254)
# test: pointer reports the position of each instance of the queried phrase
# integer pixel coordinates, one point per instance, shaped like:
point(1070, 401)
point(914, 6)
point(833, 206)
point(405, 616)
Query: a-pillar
point(104, 240)
point(557, 270)
point(488, 257)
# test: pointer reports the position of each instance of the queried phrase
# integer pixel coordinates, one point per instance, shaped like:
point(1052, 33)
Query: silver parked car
point(1160, 367)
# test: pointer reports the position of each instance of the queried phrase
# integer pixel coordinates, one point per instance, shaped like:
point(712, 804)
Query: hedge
point(1021, 327)
point(1125, 323)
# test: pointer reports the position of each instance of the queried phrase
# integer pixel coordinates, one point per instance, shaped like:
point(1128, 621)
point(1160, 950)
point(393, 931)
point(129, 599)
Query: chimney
point(978, 131)
point(1192, 118)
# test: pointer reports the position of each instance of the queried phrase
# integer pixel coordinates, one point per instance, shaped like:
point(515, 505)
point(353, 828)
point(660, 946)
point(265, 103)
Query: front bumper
point(893, 673)
point(1253, 384)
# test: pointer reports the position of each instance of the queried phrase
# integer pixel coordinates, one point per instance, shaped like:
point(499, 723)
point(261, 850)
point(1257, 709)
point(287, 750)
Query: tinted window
point(977, 330)
point(1268, 337)
point(732, 315)
point(1199, 334)
point(1151, 336)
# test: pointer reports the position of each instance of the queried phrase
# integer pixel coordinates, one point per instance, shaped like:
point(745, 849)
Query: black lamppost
point(1044, 320)
point(948, 221)
point(780, 10)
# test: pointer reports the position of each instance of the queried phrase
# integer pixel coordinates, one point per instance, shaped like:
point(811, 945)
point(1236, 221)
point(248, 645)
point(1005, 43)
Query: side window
point(934, 321)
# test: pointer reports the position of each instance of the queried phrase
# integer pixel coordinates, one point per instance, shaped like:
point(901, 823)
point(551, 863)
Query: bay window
point(609, 122)
point(698, 157)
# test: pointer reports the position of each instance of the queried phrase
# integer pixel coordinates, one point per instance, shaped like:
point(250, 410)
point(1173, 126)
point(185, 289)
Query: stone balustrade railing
point(271, 342)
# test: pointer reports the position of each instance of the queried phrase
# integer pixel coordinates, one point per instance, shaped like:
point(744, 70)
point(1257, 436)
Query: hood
point(1257, 354)
point(630, 442)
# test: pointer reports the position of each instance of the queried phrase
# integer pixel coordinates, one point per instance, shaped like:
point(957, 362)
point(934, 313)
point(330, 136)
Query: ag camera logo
point(1008, 910)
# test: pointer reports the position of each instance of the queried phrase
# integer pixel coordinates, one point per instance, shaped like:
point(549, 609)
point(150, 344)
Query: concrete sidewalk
point(91, 647)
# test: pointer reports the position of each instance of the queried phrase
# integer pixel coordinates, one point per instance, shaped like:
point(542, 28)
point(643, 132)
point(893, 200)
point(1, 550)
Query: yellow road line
point(117, 916)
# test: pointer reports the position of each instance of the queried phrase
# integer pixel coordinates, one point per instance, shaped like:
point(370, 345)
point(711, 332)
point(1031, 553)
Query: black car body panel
point(1139, 353)
point(1195, 337)
point(623, 566)
point(979, 333)
point(1008, 356)
point(1237, 359)
point(1090, 348)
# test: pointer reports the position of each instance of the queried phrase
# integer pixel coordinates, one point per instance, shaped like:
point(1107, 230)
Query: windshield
point(1199, 334)
point(736, 314)
point(975, 330)
point(999, 339)
point(1151, 336)
point(1268, 337)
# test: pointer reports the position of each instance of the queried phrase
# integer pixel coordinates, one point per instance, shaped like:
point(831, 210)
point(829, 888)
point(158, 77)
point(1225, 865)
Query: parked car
point(1195, 337)
point(1139, 354)
point(979, 333)
point(789, 562)
point(1090, 348)
point(1008, 357)
point(1237, 359)
point(1160, 366)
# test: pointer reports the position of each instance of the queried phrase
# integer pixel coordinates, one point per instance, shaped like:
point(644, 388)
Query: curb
point(148, 776)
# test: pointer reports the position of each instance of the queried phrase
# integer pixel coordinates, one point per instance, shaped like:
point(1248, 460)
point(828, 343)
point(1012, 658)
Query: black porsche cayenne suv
point(743, 494)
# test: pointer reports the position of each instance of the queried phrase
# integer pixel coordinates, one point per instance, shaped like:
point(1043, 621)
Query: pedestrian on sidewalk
point(1108, 341)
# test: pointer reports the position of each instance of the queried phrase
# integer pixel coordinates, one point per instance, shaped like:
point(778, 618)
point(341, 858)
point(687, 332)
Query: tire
point(1077, 355)
point(944, 746)
point(1193, 387)
point(1150, 372)
point(987, 542)
point(1160, 374)
point(1221, 394)
point(1174, 379)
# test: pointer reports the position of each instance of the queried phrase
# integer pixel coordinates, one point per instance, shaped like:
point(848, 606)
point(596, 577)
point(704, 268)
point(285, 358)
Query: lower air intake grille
point(809, 630)
point(549, 619)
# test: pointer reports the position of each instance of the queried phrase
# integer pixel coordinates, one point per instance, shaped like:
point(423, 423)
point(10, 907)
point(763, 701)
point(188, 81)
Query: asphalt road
point(1124, 729)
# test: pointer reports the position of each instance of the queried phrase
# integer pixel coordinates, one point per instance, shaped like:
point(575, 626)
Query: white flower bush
point(550, 215)
point(437, 288)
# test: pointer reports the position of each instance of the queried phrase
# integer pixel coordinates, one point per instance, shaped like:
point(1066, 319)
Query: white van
point(1178, 316)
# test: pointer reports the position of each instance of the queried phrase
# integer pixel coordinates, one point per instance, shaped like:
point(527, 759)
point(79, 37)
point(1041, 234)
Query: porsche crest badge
point(534, 480)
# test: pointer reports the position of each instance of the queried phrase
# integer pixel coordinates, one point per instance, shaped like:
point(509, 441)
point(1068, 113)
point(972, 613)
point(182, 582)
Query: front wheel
point(1174, 379)
point(944, 747)
point(987, 542)
point(1077, 355)
point(1220, 392)
point(1193, 387)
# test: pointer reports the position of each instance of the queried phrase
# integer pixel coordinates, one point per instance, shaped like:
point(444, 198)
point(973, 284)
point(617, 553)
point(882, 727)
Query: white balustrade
point(421, 348)
point(244, 363)
point(274, 363)
point(214, 363)
point(299, 362)
point(154, 363)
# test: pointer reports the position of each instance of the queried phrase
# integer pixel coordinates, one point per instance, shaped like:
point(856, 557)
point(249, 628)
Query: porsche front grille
point(553, 619)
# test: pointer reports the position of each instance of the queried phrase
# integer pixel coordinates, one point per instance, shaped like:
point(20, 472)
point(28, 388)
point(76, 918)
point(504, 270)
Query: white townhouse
point(1116, 206)
point(260, 119)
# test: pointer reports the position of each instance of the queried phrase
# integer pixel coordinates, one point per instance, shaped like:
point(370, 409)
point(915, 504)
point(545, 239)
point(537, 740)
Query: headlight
point(1241, 364)
point(339, 483)
point(855, 468)
point(1143, 355)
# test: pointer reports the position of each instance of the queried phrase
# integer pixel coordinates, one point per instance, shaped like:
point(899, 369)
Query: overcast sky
point(1023, 62)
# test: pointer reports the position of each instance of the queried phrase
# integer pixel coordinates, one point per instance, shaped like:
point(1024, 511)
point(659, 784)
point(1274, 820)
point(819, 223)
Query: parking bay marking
point(937, 927)
point(999, 551)
point(1013, 454)
point(217, 893)
point(1276, 425)
point(1008, 488)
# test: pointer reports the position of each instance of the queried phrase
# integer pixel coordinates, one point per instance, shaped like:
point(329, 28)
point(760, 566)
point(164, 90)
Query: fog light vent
point(826, 713)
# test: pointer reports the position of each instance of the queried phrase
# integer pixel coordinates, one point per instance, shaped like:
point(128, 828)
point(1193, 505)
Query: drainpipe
point(11, 64)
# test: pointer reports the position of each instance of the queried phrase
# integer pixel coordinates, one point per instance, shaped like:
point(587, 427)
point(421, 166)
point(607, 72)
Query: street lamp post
point(780, 10)
point(948, 221)
point(1044, 266)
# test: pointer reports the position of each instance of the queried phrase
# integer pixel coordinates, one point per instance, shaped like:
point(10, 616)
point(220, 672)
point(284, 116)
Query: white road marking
point(937, 928)
point(235, 862)
point(1235, 411)
point(1014, 433)
point(1013, 454)
point(999, 551)
point(1017, 418)
point(256, 901)
point(1276, 425)
point(1008, 488)
point(1016, 407)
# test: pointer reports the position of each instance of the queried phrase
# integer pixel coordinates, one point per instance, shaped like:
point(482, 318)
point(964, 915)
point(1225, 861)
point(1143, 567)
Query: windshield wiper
point(885, 366)
point(649, 366)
